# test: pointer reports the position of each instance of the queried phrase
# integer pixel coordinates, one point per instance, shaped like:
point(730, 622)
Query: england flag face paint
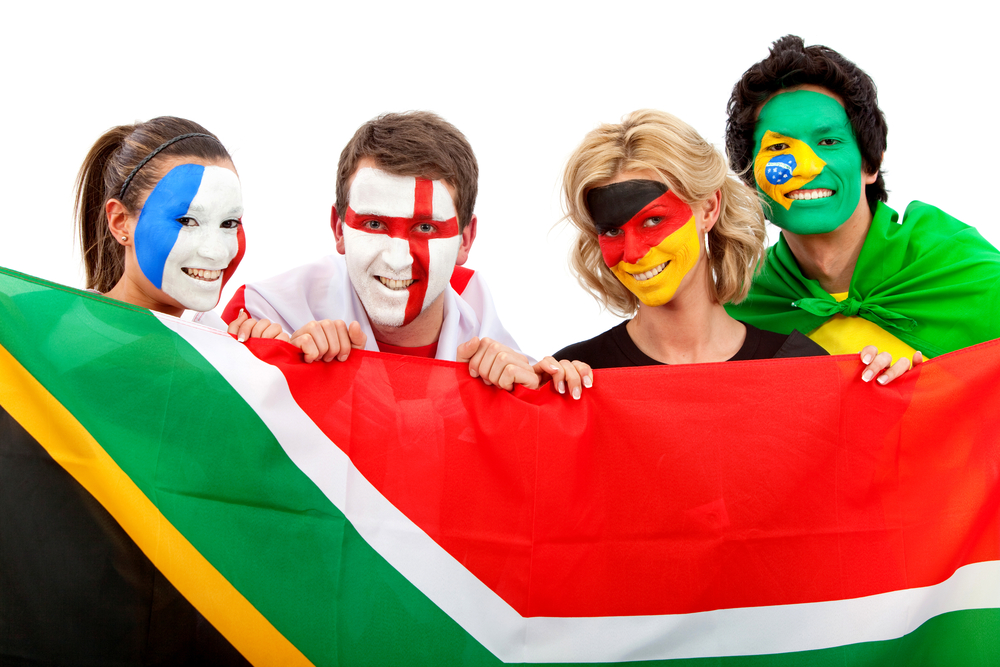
point(808, 163)
point(189, 238)
point(401, 242)
point(648, 237)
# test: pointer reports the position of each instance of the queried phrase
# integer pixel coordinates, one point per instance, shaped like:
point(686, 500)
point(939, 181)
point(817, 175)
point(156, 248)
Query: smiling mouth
point(203, 274)
point(395, 284)
point(818, 193)
point(652, 273)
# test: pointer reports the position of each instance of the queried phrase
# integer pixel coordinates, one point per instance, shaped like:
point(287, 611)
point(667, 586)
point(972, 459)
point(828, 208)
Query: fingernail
point(553, 368)
point(342, 357)
point(242, 312)
point(473, 373)
point(562, 387)
point(867, 375)
point(866, 359)
point(576, 393)
point(241, 338)
point(882, 379)
point(587, 381)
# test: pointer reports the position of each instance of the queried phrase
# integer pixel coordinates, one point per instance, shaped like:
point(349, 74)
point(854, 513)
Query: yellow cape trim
point(72, 447)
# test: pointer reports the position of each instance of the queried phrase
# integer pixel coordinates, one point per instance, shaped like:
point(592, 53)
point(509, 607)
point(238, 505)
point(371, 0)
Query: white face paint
point(207, 243)
point(401, 242)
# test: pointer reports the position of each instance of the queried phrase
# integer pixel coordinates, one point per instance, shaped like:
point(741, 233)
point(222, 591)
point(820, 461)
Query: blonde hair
point(693, 169)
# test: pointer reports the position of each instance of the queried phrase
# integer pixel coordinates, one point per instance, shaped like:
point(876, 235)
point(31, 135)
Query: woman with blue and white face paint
point(160, 211)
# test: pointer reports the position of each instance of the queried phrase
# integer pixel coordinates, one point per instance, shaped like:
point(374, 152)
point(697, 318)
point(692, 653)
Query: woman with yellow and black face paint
point(667, 236)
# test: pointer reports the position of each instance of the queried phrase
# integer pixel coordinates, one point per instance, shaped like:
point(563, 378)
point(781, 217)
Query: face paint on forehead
point(188, 239)
point(613, 205)
point(401, 241)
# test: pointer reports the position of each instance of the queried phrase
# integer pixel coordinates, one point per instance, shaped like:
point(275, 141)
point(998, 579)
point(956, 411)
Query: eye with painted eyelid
point(828, 142)
point(374, 225)
point(611, 233)
point(425, 228)
point(230, 224)
point(652, 221)
point(776, 147)
point(188, 221)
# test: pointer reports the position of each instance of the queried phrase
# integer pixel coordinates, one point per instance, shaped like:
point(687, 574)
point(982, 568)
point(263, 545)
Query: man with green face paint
point(805, 130)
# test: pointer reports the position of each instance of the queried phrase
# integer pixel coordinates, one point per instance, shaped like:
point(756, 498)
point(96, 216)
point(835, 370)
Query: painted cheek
point(241, 247)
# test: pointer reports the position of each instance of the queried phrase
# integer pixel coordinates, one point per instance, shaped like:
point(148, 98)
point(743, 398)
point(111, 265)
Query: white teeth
point(203, 274)
point(395, 284)
point(655, 271)
point(818, 193)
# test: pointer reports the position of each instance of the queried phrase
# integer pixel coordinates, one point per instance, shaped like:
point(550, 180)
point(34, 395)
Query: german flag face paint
point(401, 242)
point(648, 237)
point(808, 164)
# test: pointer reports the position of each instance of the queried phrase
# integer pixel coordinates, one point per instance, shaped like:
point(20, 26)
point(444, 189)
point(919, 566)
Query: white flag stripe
point(512, 638)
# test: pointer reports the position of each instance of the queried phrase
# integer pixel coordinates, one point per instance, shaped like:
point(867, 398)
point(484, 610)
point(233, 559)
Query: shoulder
point(798, 345)
point(308, 292)
point(612, 349)
point(764, 344)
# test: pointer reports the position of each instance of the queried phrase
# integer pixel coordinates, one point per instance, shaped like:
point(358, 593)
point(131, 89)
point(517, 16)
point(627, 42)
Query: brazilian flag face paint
point(648, 237)
point(808, 164)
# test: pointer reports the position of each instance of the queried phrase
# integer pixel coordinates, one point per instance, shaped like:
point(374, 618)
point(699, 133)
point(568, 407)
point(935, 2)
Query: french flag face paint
point(401, 242)
point(189, 237)
point(648, 237)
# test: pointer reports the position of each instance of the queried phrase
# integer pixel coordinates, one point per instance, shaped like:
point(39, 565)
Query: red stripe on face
point(423, 199)
point(242, 248)
point(635, 240)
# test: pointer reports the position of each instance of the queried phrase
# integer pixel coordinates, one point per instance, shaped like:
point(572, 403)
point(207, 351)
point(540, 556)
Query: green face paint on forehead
point(808, 164)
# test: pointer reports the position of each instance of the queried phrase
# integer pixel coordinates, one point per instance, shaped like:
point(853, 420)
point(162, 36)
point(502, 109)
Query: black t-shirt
point(615, 349)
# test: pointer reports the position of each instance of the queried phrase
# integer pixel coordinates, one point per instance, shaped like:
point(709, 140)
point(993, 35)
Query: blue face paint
point(779, 169)
point(158, 226)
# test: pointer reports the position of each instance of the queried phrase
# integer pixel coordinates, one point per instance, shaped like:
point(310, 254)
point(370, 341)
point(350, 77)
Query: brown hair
point(689, 166)
point(415, 143)
point(109, 162)
point(791, 63)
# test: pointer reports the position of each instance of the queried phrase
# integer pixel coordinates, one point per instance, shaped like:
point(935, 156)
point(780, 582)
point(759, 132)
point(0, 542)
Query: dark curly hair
point(792, 63)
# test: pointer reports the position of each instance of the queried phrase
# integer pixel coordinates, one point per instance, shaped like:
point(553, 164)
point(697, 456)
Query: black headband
point(611, 206)
point(121, 193)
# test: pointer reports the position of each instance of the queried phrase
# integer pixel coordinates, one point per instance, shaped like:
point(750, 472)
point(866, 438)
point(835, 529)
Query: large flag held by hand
point(393, 510)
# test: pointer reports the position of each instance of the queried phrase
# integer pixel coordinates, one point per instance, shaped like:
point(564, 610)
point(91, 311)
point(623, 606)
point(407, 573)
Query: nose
point(397, 255)
point(809, 164)
point(635, 247)
point(215, 245)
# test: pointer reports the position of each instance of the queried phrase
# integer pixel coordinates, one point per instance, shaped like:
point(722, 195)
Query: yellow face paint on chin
point(679, 252)
point(784, 176)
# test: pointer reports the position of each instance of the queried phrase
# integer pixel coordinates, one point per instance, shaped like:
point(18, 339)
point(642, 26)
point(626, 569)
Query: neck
point(127, 291)
point(423, 330)
point(692, 328)
point(830, 258)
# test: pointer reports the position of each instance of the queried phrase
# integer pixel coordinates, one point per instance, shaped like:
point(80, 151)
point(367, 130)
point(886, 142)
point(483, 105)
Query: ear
point(119, 221)
point(868, 179)
point(337, 225)
point(468, 236)
point(708, 211)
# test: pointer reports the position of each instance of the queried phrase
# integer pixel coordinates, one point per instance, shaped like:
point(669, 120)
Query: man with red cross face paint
point(806, 132)
point(403, 226)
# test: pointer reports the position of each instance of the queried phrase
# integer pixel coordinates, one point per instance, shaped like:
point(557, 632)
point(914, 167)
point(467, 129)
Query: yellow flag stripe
point(72, 447)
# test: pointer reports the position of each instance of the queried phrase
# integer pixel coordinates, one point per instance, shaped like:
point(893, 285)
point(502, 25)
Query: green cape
point(931, 281)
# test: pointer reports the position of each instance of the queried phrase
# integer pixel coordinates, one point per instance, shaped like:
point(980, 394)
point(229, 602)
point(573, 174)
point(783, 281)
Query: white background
point(285, 85)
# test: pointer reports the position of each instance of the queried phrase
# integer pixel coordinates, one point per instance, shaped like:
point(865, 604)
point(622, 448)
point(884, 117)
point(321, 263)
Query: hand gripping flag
point(393, 510)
